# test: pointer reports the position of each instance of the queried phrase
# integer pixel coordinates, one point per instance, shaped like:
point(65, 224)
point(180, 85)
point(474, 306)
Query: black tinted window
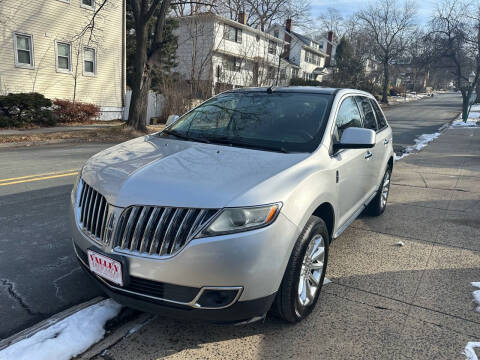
point(382, 123)
point(348, 116)
point(369, 121)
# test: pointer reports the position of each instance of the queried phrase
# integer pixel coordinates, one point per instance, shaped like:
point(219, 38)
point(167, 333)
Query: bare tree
point(455, 31)
point(389, 23)
point(143, 12)
point(332, 20)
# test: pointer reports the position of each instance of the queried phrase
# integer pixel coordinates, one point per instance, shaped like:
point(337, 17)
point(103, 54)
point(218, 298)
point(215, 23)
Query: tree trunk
point(465, 105)
point(140, 84)
point(386, 80)
point(138, 104)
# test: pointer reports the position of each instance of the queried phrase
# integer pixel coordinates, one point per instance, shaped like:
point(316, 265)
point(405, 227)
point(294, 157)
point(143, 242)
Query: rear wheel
point(303, 278)
point(379, 203)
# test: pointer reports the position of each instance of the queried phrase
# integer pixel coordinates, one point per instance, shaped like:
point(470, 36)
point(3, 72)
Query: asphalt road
point(39, 275)
point(425, 116)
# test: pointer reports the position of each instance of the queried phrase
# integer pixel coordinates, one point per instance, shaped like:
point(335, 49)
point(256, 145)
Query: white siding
point(49, 21)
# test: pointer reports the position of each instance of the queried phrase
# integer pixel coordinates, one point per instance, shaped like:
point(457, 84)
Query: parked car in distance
point(229, 212)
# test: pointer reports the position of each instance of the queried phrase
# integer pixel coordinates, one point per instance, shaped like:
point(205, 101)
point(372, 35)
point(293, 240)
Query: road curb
point(47, 323)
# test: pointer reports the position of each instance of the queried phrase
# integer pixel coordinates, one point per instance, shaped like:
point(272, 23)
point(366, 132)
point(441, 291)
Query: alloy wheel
point(385, 188)
point(311, 271)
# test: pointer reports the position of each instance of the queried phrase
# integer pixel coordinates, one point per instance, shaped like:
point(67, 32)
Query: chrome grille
point(93, 212)
point(162, 231)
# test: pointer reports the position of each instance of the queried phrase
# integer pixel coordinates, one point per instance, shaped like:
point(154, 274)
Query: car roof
point(301, 89)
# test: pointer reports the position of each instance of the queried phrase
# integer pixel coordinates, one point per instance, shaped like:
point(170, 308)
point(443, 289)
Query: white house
point(218, 54)
point(43, 49)
point(309, 56)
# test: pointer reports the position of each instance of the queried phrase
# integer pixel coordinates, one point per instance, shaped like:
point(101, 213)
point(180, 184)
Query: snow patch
point(476, 294)
point(472, 120)
point(420, 143)
point(326, 281)
point(68, 337)
point(461, 124)
point(469, 351)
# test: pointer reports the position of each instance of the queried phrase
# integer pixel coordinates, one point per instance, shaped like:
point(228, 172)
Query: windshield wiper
point(185, 137)
point(227, 140)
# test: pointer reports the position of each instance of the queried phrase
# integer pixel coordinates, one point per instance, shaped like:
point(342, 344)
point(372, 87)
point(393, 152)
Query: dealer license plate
point(105, 267)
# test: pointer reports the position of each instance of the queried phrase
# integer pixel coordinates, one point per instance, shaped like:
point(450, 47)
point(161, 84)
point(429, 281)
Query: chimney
point(288, 25)
point(328, 60)
point(330, 36)
point(242, 18)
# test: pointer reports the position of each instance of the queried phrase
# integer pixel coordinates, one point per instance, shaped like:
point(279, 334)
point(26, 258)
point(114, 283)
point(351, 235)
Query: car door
point(384, 138)
point(352, 168)
point(376, 153)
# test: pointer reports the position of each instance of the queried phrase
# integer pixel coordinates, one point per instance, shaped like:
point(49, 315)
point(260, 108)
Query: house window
point(272, 47)
point(233, 34)
point(89, 61)
point(271, 73)
point(63, 57)
point(234, 63)
point(295, 73)
point(23, 50)
point(276, 33)
point(88, 4)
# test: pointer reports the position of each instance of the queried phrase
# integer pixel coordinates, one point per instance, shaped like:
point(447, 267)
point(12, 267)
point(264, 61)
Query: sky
point(348, 7)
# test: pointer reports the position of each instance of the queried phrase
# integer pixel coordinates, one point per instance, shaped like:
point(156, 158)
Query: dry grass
point(112, 134)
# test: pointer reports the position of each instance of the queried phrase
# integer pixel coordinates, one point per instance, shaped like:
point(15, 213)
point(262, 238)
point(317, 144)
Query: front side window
point(63, 56)
point(89, 61)
point(285, 122)
point(23, 50)
point(369, 121)
point(348, 116)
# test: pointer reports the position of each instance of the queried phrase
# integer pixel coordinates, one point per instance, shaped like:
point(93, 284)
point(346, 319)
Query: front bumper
point(253, 261)
point(241, 311)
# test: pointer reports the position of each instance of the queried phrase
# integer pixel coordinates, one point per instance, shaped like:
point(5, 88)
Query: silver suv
point(229, 212)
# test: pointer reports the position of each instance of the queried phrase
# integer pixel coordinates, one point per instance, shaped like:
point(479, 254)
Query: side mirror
point(172, 119)
point(356, 138)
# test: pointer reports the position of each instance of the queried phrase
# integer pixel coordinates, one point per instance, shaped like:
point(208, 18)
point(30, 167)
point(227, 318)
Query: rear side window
point(382, 122)
point(348, 116)
point(369, 121)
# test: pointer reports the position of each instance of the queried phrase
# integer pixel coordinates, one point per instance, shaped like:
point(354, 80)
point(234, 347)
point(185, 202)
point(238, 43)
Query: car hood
point(156, 171)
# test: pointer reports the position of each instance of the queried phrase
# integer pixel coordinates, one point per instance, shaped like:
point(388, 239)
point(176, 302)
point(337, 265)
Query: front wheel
point(303, 278)
point(379, 202)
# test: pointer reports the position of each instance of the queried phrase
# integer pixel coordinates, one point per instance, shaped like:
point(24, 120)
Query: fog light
point(213, 298)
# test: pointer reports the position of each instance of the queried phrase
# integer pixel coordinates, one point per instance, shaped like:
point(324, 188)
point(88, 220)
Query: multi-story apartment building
point(218, 53)
point(308, 56)
point(44, 48)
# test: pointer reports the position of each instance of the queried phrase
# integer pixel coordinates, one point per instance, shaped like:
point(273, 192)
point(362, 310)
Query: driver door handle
point(368, 155)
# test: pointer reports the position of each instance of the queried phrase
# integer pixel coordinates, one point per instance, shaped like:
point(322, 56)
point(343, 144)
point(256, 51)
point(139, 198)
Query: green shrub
point(23, 109)
point(67, 112)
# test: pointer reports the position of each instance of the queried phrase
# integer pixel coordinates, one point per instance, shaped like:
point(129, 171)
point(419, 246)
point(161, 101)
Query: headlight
point(232, 220)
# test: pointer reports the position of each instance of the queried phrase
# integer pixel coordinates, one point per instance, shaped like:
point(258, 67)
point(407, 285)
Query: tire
point(288, 302)
point(379, 202)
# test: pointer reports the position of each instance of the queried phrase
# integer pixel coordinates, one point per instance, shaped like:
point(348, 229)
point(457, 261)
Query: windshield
point(286, 122)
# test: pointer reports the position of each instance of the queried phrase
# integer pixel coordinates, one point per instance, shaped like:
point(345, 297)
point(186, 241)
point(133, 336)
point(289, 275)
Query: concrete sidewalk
point(386, 301)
